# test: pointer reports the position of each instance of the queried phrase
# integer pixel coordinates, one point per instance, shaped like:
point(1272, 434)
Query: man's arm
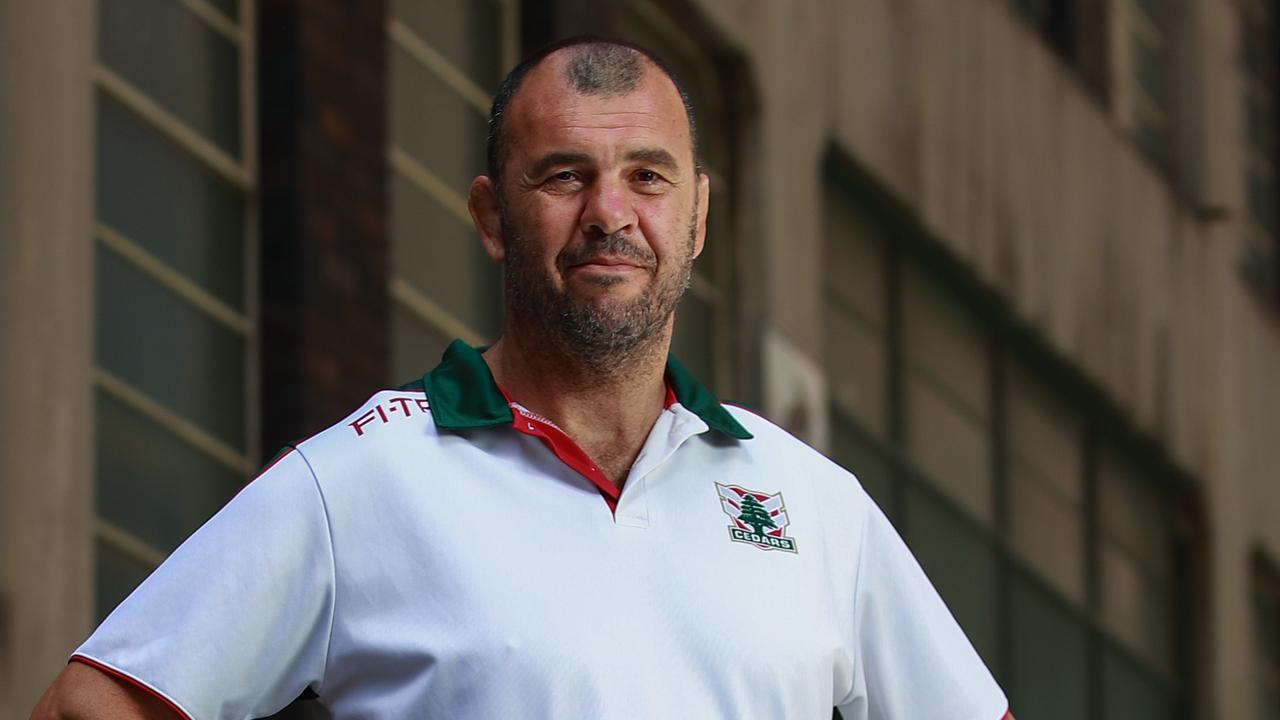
point(82, 692)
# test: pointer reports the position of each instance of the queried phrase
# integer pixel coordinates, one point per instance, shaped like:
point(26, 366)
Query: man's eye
point(647, 176)
point(564, 176)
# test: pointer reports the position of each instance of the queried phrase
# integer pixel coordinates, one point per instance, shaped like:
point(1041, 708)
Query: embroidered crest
point(756, 518)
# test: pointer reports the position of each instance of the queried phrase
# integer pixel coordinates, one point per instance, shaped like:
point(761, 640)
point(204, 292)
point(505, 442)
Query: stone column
point(46, 341)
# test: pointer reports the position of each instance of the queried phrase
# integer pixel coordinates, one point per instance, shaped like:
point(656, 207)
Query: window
point(175, 252)
point(1259, 67)
point(1051, 18)
point(1018, 488)
point(1077, 31)
point(446, 60)
point(1266, 618)
point(857, 346)
point(1150, 44)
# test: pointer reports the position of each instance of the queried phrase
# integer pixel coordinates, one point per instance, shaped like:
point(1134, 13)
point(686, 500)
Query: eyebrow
point(552, 159)
point(654, 156)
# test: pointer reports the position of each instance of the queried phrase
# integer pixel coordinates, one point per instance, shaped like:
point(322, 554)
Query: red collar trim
point(564, 448)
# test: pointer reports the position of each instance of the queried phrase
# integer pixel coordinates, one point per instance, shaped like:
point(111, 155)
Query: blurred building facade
point(1012, 262)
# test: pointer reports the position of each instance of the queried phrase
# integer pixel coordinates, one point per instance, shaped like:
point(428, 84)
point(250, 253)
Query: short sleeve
point(912, 660)
point(236, 622)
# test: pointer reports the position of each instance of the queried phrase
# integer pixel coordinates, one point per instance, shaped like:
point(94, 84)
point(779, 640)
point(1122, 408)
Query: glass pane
point(1138, 611)
point(951, 446)
point(117, 575)
point(857, 454)
point(435, 125)
point(230, 8)
point(942, 340)
point(1154, 11)
point(1153, 137)
point(1130, 693)
point(163, 199)
point(1269, 693)
point(1137, 563)
point(1049, 656)
point(150, 482)
point(1036, 12)
point(416, 346)
point(177, 59)
point(715, 261)
point(693, 341)
point(1044, 435)
point(163, 346)
point(858, 371)
point(466, 32)
point(1149, 61)
point(1262, 201)
point(1047, 532)
point(856, 263)
point(442, 258)
point(1266, 613)
point(1260, 122)
point(1046, 469)
point(960, 561)
point(1134, 515)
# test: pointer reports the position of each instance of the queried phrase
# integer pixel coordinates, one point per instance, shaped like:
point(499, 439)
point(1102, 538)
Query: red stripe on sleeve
point(131, 681)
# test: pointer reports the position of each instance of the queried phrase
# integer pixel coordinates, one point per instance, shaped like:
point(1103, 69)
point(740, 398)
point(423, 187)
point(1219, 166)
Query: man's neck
point(608, 412)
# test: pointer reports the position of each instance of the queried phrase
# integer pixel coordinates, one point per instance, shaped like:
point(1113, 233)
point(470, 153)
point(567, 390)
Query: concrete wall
point(970, 119)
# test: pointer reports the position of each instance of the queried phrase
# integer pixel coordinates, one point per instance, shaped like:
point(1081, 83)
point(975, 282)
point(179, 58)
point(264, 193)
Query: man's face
point(602, 209)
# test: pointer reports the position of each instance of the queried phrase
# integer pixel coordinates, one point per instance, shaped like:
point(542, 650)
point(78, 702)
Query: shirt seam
point(333, 562)
point(857, 584)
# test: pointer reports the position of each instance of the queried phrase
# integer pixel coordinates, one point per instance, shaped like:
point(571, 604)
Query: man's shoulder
point(389, 417)
point(768, 436)
point(776, 447)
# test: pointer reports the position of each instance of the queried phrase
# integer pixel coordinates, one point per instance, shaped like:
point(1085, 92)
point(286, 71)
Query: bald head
point(589, 66)
point(603, 69)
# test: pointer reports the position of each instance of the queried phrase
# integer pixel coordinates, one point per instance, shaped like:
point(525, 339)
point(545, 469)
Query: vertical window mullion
point(249, 159)
point(902, 477)
point(1002, 592)
point(1093, 571)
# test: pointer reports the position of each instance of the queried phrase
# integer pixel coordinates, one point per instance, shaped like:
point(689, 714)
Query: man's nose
point(609, 209)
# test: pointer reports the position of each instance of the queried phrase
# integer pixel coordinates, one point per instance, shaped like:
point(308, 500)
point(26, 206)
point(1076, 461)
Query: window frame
point(405, 295)
point(1260, 264)
point(241, 174)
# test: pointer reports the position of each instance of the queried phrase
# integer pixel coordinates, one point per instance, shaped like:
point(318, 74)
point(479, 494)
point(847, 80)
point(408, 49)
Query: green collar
point(463, 394)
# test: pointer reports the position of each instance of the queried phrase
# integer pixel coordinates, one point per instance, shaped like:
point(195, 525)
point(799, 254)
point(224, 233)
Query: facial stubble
point(602, 334)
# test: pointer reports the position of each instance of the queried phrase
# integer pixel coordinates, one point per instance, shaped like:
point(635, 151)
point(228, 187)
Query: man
point(566, 525)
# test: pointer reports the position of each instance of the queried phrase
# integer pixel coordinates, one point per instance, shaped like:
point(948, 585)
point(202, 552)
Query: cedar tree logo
point(757, 519)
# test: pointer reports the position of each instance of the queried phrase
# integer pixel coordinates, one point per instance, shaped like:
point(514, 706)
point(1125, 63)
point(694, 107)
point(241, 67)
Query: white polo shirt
point(442, 553)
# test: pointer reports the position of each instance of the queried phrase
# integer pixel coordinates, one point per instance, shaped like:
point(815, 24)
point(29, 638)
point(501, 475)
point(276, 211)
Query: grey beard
point(600, 338)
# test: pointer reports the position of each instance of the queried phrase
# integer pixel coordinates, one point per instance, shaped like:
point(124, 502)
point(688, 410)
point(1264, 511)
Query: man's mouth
point(607, 262)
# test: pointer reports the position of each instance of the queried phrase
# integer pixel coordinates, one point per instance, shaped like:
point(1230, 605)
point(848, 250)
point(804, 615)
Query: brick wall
point(322, 107)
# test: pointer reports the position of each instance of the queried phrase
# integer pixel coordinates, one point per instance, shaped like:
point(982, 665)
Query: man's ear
point(482, 201)
point(704, 198)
